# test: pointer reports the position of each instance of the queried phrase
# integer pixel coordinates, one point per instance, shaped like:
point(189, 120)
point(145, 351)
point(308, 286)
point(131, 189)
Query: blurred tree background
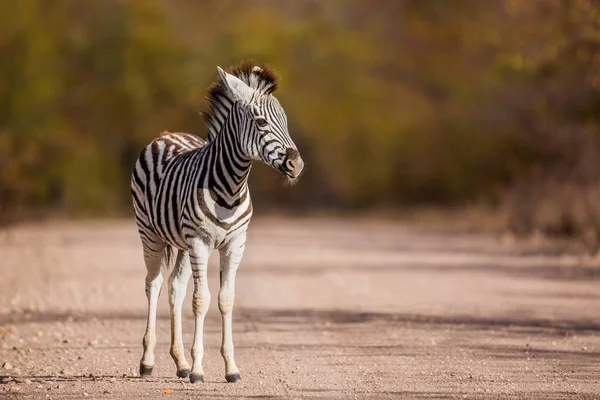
point(392, 103)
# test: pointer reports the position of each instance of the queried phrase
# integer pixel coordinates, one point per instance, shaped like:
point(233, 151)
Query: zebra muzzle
point(292, 164)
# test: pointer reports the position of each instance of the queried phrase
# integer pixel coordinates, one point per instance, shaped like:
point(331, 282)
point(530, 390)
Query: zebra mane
point(260, 78)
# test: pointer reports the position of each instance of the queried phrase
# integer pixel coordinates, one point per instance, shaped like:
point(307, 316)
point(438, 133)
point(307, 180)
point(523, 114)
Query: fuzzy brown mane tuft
point(259, 77)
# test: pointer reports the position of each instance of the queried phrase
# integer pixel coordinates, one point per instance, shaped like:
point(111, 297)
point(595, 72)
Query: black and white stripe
point(190, 193)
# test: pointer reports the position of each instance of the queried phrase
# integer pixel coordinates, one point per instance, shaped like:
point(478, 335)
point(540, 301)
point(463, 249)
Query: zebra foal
point(191, 197)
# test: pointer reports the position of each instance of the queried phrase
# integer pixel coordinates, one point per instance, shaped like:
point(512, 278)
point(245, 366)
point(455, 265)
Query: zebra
point(191, 196)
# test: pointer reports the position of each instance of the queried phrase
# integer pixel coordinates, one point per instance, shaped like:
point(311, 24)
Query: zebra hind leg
point(154, 279)
point(178, 281)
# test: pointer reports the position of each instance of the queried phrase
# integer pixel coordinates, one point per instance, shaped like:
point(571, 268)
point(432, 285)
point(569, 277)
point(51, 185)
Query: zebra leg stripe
point(178, 281)
point(199, 254)
point(230, 258)
point(154, 282)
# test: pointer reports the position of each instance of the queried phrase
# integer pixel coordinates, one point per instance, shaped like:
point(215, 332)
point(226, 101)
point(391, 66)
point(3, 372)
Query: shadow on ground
point(547, 271)
point(336, 317)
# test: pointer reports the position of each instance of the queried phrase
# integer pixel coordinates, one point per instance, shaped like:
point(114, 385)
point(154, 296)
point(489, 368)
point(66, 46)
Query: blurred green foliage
point(391, 103)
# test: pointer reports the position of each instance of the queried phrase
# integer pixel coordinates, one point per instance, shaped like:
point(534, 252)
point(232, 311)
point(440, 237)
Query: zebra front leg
point(154, 282)
point(199, 253)
point(230, 257)
point(178, 281)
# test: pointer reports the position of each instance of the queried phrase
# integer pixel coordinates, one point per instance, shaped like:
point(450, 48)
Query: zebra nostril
point(289, 164)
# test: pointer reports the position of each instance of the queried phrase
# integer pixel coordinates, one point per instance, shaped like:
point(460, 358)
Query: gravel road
point(325, 308)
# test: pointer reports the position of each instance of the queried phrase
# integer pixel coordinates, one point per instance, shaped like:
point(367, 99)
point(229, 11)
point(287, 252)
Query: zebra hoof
point(146, 370)
point(194, 377)
point(233, 378)
point(184, 373)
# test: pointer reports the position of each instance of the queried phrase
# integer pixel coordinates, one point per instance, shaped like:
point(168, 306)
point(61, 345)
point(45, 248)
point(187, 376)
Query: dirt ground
point(324, 309)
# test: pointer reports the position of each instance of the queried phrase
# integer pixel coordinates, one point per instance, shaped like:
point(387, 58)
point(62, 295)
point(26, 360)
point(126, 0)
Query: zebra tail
point(169, 257)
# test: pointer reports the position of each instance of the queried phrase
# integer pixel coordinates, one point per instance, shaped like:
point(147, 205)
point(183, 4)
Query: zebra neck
point(229, 170)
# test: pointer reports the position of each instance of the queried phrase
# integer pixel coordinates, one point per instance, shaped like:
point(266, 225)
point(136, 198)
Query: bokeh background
point(393, 104)
point(430, 129)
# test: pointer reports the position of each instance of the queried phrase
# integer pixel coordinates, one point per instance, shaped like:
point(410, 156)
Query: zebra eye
point(261, 122)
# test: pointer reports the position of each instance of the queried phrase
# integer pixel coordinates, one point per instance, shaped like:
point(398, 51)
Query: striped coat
point(191, 197)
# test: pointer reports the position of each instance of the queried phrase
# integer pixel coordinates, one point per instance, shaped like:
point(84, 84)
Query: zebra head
point(261, 121)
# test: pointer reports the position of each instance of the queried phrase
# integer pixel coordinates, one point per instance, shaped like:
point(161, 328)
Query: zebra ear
point(236, 86)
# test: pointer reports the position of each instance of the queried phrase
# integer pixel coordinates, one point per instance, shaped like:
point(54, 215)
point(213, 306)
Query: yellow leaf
point(167, 391)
